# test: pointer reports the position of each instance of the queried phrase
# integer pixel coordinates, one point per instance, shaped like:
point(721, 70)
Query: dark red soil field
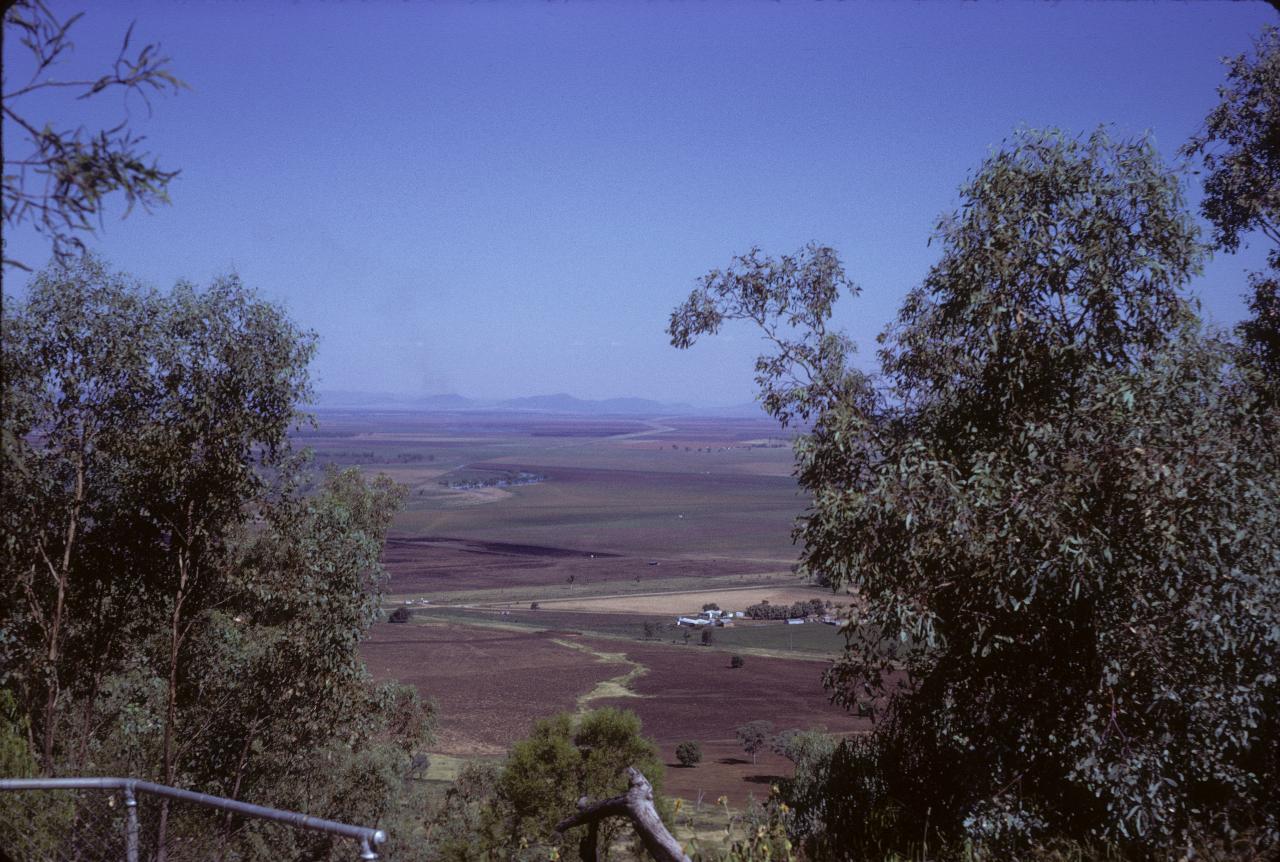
point(693, 693)
point(436, 564)
point(725, 770)
point(490, 684)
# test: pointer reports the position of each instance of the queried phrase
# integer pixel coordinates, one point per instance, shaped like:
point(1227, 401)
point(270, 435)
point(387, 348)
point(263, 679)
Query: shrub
point(533, 606)
point(400, 615)
point(737, 661)
point(707, 636)
point(689, 754)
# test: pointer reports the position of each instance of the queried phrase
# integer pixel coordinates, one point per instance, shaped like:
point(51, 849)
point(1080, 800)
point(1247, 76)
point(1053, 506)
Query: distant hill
point(562, 403)
point(558, 403)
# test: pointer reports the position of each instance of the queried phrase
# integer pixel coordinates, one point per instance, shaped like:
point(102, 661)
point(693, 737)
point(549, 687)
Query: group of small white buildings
point(710, 618)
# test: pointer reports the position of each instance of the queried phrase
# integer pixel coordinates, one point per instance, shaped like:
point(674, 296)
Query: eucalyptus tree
point(1058, 496)
point(181, 601)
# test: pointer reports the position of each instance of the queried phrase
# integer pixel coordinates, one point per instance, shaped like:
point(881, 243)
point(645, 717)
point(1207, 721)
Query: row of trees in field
point(794, 611)
point(1059, 493)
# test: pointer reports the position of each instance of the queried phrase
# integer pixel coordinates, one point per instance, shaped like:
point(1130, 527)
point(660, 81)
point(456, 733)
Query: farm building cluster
point(710, 617)
point(799, 613)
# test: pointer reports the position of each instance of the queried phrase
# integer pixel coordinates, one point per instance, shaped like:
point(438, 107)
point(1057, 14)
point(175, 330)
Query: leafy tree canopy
point(563, 761)
point(1060, 496)
point(180, 600)
point(1240, 145)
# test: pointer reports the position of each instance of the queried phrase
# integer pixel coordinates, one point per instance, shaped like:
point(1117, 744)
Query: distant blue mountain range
point(558, 403)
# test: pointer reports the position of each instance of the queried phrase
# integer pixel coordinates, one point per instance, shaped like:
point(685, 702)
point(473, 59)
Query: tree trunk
point(169, 764)
point(61, 576)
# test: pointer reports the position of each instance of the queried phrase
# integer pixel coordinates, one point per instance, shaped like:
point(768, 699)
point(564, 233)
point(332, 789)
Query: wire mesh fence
point(122, 820)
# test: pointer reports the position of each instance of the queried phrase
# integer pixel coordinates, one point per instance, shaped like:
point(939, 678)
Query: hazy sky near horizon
point(506, 199)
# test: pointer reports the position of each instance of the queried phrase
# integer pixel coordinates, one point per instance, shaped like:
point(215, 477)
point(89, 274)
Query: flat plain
point(606, 524)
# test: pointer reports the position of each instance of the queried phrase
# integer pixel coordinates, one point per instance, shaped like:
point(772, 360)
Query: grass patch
point(618, 686)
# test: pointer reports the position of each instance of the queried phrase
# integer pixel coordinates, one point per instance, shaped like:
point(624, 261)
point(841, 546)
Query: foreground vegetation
point(1061, 493)
point(164, 569)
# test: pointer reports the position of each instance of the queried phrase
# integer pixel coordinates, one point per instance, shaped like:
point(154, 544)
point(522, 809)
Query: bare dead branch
point(637, 806)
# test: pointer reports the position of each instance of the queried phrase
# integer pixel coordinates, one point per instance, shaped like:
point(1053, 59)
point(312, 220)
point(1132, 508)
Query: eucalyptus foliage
point(1240, 148)
point(180, 600)
point(1061, 496)
point(57, 178)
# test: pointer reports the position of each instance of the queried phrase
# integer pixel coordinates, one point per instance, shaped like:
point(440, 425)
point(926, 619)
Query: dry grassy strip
point(618, 686)
point(687, 601)
point(542, 593)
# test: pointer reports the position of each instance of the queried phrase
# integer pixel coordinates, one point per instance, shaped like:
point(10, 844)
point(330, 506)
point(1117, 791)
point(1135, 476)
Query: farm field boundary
point(543, 593)
point(766, 640)
point(686, 601)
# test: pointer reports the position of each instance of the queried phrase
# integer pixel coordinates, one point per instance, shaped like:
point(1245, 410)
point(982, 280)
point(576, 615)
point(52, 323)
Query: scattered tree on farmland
point(418, 766)
point(711, 606)
point(174, 607)
point(689, 754)
point(650, 629)
point(400, 615)
point(737, 661)
point(59, 181)
point(1059, 497)
point(533, 606)
point(707, 636)
point(754, 737)
point(686, 635)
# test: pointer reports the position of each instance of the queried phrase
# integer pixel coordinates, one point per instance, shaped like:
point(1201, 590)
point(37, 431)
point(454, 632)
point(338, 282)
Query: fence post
point(131, 824)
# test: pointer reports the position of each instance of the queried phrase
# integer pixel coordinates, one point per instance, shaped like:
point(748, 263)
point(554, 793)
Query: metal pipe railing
point(369, 838)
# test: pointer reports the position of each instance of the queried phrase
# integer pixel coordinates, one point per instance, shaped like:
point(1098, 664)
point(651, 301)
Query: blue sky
point(504, 199)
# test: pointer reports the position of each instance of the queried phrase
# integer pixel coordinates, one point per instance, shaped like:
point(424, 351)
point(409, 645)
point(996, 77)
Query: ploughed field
point(491, 684)
point(441, 567)
point(701, 498)
point(629, 520)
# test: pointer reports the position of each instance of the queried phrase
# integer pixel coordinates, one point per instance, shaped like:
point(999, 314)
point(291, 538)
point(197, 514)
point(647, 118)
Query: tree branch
point(637, 805)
